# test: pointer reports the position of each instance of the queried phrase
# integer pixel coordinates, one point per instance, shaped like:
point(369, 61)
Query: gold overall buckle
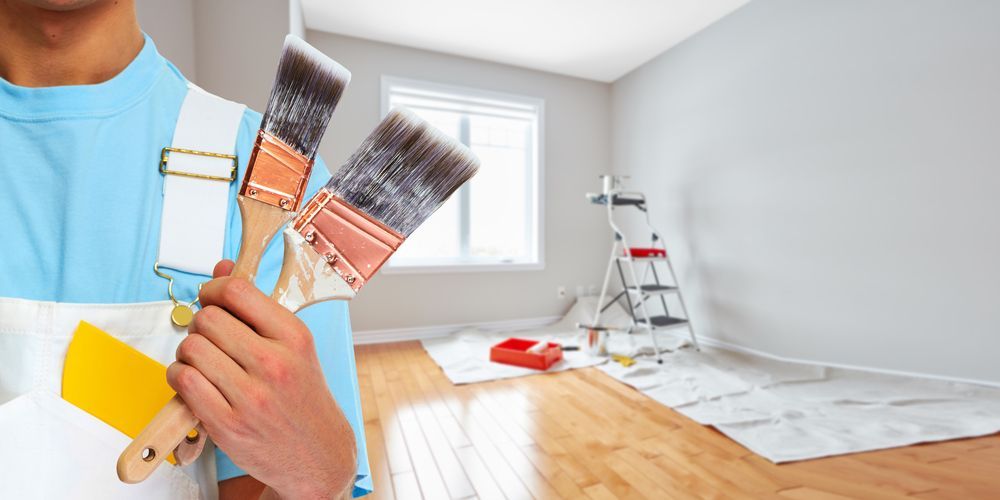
point(165, 157)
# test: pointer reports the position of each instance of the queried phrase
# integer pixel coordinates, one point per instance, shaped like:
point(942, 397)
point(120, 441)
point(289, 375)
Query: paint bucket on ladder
point(611, 183)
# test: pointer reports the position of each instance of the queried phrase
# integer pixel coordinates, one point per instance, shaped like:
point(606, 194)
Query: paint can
point(611, 183)
point(597, 342)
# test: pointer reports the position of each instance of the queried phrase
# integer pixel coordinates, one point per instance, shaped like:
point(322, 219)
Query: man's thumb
point(223, 268)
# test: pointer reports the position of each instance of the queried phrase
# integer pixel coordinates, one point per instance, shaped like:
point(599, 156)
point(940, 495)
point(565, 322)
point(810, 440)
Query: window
point(494, 221)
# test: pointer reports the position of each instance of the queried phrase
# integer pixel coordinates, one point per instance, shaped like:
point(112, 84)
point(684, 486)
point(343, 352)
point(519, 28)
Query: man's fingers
point(214, 365)
point(248, 304)
point(229, 334)
point(204, 400)
point(223, 268)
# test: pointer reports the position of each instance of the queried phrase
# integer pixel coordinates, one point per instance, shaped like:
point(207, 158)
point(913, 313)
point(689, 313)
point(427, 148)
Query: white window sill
point(464, 268)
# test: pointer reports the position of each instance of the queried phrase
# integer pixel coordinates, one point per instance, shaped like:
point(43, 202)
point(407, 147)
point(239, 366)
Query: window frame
point(538, 184)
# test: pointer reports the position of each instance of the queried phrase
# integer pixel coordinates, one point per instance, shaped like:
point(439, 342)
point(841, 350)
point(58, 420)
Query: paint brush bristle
point(403, 172)
point(305, 93)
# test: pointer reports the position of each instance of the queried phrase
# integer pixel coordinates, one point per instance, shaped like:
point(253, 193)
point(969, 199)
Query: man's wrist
point(333, 485)
point(313, 491)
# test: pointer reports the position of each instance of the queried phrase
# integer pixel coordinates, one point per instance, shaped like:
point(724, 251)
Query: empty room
point(444, 249)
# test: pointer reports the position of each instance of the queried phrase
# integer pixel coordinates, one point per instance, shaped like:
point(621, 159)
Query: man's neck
point(42, 48)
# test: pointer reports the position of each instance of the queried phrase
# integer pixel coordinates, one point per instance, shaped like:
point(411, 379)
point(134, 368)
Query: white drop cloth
point(779, 410)
point(465, 355)
point(848, 412)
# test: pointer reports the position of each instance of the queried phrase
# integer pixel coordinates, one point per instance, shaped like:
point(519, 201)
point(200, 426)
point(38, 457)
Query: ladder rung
point(663, 321)
point(594, 327)
point(654, 289)
point(641, 259)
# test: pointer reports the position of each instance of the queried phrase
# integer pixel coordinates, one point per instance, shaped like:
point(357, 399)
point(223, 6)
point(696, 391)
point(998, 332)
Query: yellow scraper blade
point(113, 381)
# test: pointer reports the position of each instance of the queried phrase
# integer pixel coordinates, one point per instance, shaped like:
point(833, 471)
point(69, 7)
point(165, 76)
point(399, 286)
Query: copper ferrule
point(353, 243)
point(277, 174)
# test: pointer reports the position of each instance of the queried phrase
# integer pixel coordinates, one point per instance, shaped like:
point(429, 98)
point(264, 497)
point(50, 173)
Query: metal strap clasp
point(165, 157)
point(182, 314)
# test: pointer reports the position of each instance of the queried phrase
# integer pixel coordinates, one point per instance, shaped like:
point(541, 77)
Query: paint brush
point(401, 174)
point(307, 87)
point(404, 171)
point(306, 90)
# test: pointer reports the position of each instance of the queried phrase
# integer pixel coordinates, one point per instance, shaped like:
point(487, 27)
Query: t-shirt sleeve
point(330, 325)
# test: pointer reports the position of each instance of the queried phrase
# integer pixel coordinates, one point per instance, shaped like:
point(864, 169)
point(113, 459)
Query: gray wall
point(827, 176)
point(228, 47)
point(171, 25)
point(577, 149)
point(238, 45)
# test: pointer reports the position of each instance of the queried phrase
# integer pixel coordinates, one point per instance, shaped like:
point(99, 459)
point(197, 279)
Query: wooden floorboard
point(582, 434)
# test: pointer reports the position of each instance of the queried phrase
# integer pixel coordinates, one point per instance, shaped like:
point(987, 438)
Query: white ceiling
point(595, 39)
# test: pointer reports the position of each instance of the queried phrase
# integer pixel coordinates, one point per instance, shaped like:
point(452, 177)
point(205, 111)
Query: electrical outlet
point(561, 292)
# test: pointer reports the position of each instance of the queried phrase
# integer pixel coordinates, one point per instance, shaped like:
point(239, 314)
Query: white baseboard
point(738, 348)
point(434, 331)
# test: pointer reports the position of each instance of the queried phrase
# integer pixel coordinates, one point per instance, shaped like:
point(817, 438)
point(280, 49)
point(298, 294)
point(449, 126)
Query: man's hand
point(248, 370)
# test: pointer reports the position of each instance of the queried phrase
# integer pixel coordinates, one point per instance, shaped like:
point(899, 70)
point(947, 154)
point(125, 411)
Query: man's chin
point(60, 5)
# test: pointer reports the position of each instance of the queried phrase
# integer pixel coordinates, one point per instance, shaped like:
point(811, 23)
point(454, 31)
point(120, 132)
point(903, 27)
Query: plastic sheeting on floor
point(781, 411)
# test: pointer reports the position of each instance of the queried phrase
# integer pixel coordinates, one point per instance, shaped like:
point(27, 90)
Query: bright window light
point(493, 222)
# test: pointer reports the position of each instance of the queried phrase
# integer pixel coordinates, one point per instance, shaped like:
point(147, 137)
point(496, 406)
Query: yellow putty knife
point(113, 381)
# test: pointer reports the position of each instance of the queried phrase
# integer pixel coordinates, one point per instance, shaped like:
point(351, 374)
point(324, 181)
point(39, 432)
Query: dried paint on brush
point(306, 277)
point(306, 91)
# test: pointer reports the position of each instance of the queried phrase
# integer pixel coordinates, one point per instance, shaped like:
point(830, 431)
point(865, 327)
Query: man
point(86, 105)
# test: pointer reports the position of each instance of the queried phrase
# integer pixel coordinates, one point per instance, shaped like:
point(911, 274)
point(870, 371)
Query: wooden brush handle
point(260, 223)
point(190, 448)
point(145, 453)
point(305, 279)
point(169, 428)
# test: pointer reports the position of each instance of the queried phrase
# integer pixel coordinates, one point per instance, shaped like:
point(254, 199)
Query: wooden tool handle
point(172, 424)
point(260, 223)
point(191, 447)
point(167, 429)
point(305, 279)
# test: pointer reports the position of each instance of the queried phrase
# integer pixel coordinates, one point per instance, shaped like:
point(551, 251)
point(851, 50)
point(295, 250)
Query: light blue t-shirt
point(80, 204)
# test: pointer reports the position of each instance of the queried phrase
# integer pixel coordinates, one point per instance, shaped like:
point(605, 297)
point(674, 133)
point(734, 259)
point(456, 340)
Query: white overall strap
point(193, 226)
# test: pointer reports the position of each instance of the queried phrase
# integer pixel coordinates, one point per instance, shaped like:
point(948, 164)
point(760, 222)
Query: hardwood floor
point(581, 434)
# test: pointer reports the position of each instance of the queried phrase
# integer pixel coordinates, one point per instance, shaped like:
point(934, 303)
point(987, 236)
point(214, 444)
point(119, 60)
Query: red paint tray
point(514, 351)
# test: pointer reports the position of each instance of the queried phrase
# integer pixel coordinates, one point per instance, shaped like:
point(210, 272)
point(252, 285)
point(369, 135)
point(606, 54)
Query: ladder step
point(663, 321)
point(642, 259)
point(654, 289)
point(600, 328)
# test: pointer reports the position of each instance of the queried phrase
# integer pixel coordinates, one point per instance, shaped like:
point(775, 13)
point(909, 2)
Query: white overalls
point(51, 449)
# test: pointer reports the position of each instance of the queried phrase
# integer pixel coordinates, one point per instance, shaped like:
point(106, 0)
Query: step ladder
point(638, 289)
